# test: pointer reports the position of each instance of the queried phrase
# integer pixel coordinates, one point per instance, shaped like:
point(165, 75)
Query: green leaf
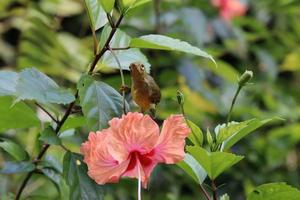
point(107, 5)
point(252, 126)
point(96, 14)
point(214, 163)
point(125, 4)
point(274, 191)
point(167, 43)
point(209, 138)
point(17, 167)
point(224, 131)
point(53, 175)
point(75, 174)
point(73, 122)
point(196, 135)
point(139, 3)
point(34, 85)
point(50, 137)
point(14, 150)
point(99, 102)
point(193, 168)
point(8, 82)
point(125, 57)
point(19, 116)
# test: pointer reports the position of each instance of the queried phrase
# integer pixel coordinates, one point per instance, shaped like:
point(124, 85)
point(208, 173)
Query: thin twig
point(95, 40)
point(69, 110)
point(104, 49)
point(110, 20)
point(47, 112)
point(214, 190)
point(64, 148)
point(204, 192)
point(122, 77)
point(120, 48)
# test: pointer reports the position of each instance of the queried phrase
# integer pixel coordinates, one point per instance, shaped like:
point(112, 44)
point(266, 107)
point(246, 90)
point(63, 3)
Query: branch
point(47, 112)
point(214, 190)
point(120, 48)
point(104, 49)
point(204, 192)
point(69, 110)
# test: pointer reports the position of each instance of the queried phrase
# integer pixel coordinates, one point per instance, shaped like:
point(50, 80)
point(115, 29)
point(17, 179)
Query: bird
point(144, 90)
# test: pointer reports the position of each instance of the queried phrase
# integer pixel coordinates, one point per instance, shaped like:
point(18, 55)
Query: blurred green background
point(54, 36)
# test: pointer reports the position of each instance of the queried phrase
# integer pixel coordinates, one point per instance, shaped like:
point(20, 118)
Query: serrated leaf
point(125, 57)
point(196, 135)
point(274, 191)
point(8, 82)
point(99, 102)
point(193, 168)
point(14, 149)
point(18, 116)
point(214, 163)
point(96, 14)
point(49, 136)
point(17, 167)
point(34, 85)
point(252, 126)
point(75, 174)
point(162, 42)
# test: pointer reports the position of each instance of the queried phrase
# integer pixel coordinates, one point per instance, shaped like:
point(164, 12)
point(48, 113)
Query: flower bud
point(245, 78)
point(180, 98)
point(209, 138)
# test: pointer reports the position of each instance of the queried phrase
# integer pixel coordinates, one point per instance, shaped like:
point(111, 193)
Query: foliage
point(46, 46)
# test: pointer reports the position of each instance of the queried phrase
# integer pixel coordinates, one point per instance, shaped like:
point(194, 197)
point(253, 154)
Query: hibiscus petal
point(170, 146)
point(133, 132)
point(102, 167)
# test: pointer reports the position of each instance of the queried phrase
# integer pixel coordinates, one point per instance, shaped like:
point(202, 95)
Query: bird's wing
point(154, 91)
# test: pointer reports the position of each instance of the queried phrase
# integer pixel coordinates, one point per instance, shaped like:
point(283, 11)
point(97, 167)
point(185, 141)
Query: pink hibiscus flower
point(132, 147)
point(229, 9)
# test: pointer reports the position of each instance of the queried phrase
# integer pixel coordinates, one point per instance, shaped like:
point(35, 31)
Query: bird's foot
point(125, 88)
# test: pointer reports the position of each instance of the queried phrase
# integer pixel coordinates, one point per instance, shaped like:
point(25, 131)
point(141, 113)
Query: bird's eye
point(142, 67)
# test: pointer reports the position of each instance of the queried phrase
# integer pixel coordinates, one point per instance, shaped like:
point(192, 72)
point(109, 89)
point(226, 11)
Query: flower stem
point(232, 104)
point(47, 112)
